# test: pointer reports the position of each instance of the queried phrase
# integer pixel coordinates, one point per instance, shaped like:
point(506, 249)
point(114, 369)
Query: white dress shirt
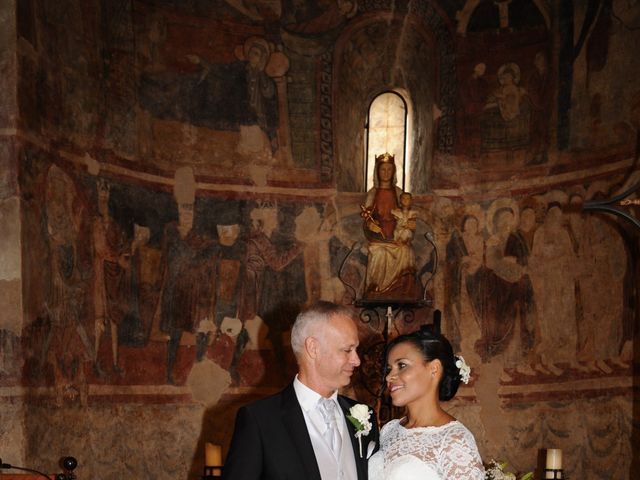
point(331, 468)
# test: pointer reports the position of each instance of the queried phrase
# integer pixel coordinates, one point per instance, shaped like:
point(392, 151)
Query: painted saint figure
point(509, 95)
point(133, 330)
point(188, 287)
point(265, 262)
point(111, 277)
point(66, 346)
point(505, 121)
point(552, 269)
point(505, 271)
point(262, 253)
point(464, 287)
point(519, 243)
point(188, 283)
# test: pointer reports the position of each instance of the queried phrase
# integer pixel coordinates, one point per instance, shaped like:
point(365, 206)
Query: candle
point(213, 457)
point(554, 461)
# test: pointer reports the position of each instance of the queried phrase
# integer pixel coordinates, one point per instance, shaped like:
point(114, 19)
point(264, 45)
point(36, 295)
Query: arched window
point(386, 131)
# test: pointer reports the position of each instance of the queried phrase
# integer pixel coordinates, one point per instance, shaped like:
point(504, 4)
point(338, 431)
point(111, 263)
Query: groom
point(297, 434)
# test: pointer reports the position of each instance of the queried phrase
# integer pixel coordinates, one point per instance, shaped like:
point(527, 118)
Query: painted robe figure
point(505, 121)
point(134, 330)
point(519, 246)
point(464, 286)
point(229, 272)
point(262, 253)
point(552, 269)
point(189, 283)
point(506, 284)
point(265, 261)
point(66, 346)
point(111, 278)
point(605, 261)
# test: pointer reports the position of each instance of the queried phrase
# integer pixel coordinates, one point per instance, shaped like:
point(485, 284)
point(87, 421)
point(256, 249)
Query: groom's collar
point(307, 397)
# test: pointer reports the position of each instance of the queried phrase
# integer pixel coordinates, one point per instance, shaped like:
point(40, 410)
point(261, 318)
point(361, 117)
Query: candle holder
point(557, 473)
point(212, 473)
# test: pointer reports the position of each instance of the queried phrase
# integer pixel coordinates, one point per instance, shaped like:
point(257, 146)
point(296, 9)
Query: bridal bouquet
point(496, 471)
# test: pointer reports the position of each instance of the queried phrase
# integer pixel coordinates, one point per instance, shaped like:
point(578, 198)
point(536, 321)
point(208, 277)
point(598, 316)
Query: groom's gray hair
point(308, 321)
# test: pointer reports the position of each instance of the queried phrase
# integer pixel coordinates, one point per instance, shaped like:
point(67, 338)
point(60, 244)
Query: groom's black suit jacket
point(271, 441)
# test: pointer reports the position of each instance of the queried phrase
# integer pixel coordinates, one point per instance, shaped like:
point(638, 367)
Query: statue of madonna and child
point(389, 225)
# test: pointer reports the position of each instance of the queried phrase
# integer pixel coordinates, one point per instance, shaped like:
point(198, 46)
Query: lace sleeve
point(460, 457)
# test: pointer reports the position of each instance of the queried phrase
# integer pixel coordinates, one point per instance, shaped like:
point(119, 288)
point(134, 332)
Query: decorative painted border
point(326, 115)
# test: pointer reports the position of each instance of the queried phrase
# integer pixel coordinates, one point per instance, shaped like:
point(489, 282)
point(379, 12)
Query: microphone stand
point(68, 463)
point(13, 467)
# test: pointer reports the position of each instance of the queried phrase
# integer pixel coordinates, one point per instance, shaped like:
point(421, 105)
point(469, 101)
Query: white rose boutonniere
point(359, 416)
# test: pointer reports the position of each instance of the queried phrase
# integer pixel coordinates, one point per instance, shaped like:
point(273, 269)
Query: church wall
point(605, 98)
point(11, 410)
point(142, 119)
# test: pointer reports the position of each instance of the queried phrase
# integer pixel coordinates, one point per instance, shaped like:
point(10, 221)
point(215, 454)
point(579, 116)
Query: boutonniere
point(359, 416)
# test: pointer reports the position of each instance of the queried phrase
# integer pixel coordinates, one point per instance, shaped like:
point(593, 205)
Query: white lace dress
point(448, 452)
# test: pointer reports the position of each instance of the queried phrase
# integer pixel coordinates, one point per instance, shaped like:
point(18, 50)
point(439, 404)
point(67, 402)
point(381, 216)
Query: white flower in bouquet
point(496, 471)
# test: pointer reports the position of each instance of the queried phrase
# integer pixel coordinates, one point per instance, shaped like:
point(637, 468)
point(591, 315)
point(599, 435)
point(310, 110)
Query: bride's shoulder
point(457, 426)
point(390, 426)
point(456, 430)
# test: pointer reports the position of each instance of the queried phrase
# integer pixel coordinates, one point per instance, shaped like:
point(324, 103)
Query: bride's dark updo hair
point(433, 345)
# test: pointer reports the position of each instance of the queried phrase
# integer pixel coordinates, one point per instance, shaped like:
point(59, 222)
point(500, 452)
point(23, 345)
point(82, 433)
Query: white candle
point(213, 457)
point(389, 316)
point(554, 461)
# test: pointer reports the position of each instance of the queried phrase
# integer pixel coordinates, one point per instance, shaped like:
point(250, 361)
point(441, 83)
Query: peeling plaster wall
point(149, 166)
point(8, 65)
point(12, 432)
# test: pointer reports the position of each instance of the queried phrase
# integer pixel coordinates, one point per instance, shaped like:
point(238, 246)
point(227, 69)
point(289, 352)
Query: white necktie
point(332, 436)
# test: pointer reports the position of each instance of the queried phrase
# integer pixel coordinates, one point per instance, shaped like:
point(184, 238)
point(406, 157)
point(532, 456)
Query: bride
point(428, 443)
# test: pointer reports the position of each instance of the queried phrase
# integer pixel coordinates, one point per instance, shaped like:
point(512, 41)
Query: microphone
point(69, 464)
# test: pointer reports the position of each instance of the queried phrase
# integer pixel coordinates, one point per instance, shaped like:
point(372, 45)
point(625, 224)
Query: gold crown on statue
point(385, 158)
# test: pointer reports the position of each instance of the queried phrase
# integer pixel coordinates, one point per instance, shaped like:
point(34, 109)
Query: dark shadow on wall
point(635, 425)
point(218, 421)
point(635, 434)
point(217, 428)
point(631, 328)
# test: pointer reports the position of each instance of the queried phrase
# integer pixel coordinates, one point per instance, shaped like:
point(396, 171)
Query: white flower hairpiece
point(464, 369)
point(359, 416)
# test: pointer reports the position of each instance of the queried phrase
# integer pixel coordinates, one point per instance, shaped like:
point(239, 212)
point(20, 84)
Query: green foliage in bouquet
point(497, 471)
